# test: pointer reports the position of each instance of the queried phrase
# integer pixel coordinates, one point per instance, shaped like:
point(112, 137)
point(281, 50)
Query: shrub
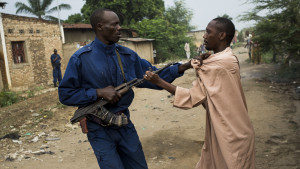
point(8, 98)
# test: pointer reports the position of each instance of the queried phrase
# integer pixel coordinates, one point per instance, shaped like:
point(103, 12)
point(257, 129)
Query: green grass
point(8, 98)
point(32, 92)
point(267, 57)
point(238, 44)
point(60, 106)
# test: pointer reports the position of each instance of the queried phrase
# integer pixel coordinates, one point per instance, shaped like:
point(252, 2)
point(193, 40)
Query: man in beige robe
point(229, 135)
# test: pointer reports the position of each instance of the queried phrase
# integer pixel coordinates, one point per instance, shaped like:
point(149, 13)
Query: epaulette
point(84, 49)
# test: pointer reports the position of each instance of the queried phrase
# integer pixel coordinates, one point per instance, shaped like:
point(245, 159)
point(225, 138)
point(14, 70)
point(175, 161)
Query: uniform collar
point(101, 45)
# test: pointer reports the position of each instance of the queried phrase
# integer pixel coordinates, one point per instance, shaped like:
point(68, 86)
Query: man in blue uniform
point(55, 61)
point(93, 72)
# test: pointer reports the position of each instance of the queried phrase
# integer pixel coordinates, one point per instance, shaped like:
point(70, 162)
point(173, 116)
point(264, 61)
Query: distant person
point(202, 48)
point(248, 44)
point(187, 50)
point(256, 54)
point(229, 134)
point(154, 56)
point(55, 61)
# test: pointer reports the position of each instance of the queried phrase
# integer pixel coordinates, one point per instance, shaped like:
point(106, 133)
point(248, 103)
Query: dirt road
point(171, 138)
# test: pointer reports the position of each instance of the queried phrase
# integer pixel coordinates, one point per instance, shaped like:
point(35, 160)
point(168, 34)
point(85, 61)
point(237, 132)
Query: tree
point(226, 16)
point(240, 36)
point(129, 11)
point(75, 18)
point(169, 32)
point(278, 31)
point(39, 8)
point(179, 14)
point(149, 18)
point(169, 38)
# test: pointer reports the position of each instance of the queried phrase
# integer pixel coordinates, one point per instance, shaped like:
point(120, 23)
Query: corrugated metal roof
point(26, 17)
point(136, 39)
point(77, 26)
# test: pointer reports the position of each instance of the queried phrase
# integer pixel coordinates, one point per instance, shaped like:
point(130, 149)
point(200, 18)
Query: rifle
point(97, 108)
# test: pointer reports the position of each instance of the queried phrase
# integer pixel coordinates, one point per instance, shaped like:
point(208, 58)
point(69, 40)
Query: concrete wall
point(143, 49)
point(40, 38)
point(75, 39)
point(1, 68)
point(78, 35)
point(197, 37)
point(68, 50)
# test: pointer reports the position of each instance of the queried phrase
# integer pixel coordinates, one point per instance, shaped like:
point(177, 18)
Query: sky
point(203, 10)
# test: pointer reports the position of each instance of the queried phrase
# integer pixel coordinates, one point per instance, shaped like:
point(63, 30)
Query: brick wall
point(40, 38)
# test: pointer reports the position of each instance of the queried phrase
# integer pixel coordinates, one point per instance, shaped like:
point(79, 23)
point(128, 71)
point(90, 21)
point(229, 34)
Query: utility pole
point(58, 13)
point(60, 27)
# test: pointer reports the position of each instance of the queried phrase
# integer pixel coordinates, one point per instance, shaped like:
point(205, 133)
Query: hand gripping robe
point(229, 135)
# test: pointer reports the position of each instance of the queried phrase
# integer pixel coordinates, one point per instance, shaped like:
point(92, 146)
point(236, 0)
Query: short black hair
point(225, 25)
point(96, 17)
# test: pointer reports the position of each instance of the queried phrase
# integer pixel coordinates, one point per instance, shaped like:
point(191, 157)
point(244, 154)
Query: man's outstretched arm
point(184, 67)
point(155, 79)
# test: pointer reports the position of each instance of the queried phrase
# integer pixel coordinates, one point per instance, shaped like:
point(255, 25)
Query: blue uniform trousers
point(116, 148)
point(56, 75)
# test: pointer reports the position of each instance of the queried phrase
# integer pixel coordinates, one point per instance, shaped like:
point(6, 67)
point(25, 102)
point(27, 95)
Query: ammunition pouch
point(111, 119)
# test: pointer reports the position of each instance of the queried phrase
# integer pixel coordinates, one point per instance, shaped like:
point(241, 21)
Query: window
point(21, 31)
point(18, 52)
point(38, 31)
point(10, 31)
point(31, 31)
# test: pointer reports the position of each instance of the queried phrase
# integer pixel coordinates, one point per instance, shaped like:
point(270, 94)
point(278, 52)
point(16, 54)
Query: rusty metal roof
point(77, 26)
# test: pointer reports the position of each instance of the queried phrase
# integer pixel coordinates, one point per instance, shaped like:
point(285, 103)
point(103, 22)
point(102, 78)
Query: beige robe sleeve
point(189, 98)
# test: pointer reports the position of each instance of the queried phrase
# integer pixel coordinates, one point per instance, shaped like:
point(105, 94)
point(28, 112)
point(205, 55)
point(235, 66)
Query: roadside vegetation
point(8, 97)
point(277, 32)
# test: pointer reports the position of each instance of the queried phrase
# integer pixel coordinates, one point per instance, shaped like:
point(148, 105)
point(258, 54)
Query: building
point(78, 35)
point(27, 44)
point(197, 37)
point(143, 47)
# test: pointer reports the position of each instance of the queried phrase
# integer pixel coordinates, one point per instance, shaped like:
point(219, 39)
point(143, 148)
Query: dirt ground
point(38, 134)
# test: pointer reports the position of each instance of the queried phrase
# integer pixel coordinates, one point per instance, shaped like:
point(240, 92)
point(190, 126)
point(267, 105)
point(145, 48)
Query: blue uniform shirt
point(55, 63)
point(96, 66)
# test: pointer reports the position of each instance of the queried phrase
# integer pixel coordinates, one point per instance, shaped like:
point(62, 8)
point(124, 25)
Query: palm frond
point(46, 4)
point(23, 8)
point(39, 8)
point(61, 6)
point(51, 18)
point(35, 5)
